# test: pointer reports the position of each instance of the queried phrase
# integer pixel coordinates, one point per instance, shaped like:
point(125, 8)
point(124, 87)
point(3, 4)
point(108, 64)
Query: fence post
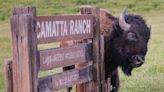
point(95, 85)
point(24, 45)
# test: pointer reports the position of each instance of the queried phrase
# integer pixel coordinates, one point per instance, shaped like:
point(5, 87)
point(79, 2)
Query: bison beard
point(125, 45)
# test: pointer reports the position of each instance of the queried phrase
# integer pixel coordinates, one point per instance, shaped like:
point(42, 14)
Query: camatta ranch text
point(65, 27)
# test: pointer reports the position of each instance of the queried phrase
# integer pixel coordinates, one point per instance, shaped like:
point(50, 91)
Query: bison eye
point(131, 36)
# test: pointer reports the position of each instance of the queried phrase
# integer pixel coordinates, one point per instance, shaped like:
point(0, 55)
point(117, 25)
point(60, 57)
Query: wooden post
point(9, 76)
point(24, 45)
point(107, 85)
point(95, 85)
point(102, 64)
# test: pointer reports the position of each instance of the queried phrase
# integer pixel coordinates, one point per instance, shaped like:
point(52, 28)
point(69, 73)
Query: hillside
point(53, 7)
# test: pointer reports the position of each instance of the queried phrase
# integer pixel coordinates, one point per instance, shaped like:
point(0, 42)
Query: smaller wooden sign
point(65, 79)
point(65, 56)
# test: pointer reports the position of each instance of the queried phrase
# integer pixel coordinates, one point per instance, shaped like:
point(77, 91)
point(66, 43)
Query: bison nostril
point(137, 60)
point(140, 59)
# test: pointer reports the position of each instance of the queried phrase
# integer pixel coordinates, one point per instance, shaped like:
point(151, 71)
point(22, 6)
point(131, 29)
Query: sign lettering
point(57, 28)
point(64, 56)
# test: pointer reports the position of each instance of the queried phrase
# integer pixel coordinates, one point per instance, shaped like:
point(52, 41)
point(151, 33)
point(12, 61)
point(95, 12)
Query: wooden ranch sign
point(65, 56)
point(59, 28)
point(52, 29)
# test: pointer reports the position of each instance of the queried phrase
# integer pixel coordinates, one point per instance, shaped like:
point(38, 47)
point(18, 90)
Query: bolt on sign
point(60, 28)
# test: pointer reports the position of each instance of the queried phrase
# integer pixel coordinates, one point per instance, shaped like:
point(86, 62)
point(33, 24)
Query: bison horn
point(124, 26)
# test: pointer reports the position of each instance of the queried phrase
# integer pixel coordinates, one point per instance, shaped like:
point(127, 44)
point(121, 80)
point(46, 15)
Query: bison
point(126, 39)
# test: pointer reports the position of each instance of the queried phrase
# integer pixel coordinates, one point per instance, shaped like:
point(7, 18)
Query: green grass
point(5, 50)
point(148, 78)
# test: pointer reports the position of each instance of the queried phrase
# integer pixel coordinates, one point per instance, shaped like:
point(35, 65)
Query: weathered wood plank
point(59, 28)
point(65, 56)
point(96, 50)
point(108, 85)
point(102, 64)
point(65, 79)
point(24, 45)
point(8, 76)
point(24, 10)
point(95, 85)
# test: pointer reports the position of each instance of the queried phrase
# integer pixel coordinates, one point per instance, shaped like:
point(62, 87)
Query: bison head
point(129, 41)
